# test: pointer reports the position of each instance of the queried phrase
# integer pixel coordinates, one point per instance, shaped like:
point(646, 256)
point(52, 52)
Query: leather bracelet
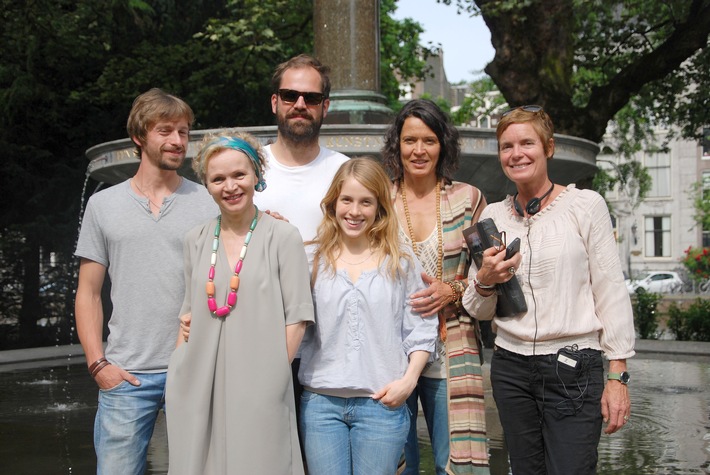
point(98, 369)
point(95, 364)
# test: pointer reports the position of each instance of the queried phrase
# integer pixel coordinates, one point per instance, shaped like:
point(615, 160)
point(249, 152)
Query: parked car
point(659, 282)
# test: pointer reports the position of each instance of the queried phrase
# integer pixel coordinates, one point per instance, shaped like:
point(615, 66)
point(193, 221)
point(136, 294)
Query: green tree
point(700, 194)
point(69, 70)
point(589, 62)
point(57, 99)
point(402, 57)
point(482, 100)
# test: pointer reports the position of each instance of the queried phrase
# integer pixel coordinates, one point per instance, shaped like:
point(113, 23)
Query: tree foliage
point(69, 71)
point(588, 62)
point(402, 57)
point(482, 100)
point(700, 195)
point(630, 178)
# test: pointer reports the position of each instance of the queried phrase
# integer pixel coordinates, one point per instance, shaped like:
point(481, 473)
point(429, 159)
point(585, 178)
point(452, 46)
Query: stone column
point(347, 39)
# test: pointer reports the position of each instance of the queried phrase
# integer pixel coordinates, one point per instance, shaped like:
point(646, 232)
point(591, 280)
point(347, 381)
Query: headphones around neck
point(533, 206)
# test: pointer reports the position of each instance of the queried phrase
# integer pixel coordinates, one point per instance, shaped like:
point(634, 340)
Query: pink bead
point(222, 311)
point(211, 274)
point(238, 269)
point(232, 299)
point(212, 304)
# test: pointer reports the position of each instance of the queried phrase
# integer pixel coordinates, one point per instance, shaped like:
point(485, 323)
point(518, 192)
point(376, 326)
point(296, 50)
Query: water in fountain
point(47, 422)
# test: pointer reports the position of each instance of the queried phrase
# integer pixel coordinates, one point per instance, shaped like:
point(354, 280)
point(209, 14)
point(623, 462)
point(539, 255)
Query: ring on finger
point(431, 297)
point(511, 270)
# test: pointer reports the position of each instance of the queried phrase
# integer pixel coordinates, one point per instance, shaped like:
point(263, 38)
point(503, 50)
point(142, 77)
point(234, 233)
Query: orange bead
point(210, 288)
point(234, 282)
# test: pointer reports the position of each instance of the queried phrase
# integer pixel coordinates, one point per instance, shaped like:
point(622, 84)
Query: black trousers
point(550, 409)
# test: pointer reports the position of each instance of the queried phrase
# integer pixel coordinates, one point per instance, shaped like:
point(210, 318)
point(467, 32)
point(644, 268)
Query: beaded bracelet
point(456, 295)
point(101, 366)
point(461, 286)
point(95, 364)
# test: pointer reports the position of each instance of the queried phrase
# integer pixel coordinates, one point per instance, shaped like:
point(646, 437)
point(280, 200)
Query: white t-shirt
point(296, 192)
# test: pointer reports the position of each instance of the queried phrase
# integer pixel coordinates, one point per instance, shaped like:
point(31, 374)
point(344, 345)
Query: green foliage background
point(69, 71)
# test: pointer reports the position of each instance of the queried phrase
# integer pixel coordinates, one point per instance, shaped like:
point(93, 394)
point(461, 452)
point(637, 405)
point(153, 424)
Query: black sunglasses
point(289, 96)
point(528, 108)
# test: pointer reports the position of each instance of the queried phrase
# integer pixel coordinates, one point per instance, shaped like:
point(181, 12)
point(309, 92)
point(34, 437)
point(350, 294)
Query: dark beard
point(302, 133)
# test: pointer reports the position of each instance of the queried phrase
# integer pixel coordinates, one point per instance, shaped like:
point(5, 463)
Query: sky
point(466, 41)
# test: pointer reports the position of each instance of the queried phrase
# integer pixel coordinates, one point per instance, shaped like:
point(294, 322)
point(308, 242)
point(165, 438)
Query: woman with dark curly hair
point(421, 153)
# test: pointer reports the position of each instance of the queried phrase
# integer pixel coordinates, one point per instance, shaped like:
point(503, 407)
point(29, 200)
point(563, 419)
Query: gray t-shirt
point(143, 254)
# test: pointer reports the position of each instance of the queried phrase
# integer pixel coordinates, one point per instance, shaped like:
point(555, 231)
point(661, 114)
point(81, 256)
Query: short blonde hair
point(538, 119)
point(229, 140)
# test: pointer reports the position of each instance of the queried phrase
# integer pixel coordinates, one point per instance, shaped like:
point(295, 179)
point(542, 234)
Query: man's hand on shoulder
point(275, 215)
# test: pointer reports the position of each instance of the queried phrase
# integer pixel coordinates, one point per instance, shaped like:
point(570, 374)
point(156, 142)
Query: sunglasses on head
point(528, 108)
point(289, 96)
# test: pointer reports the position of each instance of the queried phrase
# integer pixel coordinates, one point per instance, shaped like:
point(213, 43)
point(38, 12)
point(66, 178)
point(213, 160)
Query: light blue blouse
point(364, 330)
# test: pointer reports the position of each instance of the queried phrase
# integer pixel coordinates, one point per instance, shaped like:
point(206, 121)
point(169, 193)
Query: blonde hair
point(538, 119)
point(212, 144)
point(384, 233)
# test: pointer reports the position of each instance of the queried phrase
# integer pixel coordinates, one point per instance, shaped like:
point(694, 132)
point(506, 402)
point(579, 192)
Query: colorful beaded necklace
point(234, 281)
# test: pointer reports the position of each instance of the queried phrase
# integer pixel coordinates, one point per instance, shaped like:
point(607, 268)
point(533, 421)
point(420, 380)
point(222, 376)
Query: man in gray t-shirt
point(134, 230)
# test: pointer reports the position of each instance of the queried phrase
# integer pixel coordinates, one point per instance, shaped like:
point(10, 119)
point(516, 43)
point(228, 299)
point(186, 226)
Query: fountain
point(346, 39)
point(48, 413)
point(49, 405)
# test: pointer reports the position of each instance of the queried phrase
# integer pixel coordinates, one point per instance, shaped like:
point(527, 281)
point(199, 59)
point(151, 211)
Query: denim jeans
point(124, 424)
point(351, 436)
point(550, 412)
point(432, 393)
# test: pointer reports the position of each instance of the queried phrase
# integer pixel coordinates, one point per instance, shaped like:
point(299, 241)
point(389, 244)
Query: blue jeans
point(550, 411)
point(351, 436)
point(432, 393)
point(124, 424)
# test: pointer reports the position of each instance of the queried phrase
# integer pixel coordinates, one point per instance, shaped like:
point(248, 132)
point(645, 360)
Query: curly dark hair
point(440, 123)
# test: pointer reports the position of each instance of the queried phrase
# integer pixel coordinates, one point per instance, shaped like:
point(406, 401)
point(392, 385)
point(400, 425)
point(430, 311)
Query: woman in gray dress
point(229, 392)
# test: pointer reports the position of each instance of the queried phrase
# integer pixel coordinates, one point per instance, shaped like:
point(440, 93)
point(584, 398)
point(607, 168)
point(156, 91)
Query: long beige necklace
point(439, 226)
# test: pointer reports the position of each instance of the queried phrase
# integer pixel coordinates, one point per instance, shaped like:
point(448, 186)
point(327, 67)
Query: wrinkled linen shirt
point(364, 330)
point(571, 278)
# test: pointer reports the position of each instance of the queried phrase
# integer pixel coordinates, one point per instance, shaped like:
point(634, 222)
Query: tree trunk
point(535, 54)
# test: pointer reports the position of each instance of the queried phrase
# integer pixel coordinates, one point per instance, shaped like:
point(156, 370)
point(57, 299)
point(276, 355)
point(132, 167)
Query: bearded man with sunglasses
point(299, 170)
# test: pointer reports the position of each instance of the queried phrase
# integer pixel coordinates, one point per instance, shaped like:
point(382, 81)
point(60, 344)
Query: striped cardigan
point(461, 205)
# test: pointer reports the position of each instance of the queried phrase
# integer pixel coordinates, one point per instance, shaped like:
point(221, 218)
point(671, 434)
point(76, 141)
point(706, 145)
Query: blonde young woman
point(229, 388)
point(421, 153)
point(362, 359)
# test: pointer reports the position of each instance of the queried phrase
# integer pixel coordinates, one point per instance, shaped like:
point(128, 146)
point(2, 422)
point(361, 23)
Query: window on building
point(658, 165)
point(658, 236)
point(706, 143)
point(615, 227)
